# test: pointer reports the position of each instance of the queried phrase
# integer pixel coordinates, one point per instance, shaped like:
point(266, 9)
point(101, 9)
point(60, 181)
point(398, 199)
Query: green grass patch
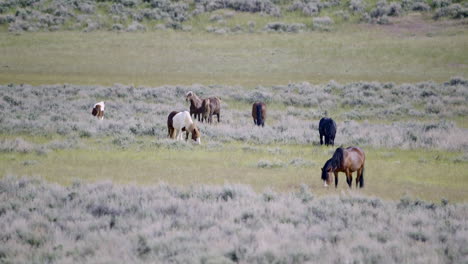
point(351, 53)
point(390, 173)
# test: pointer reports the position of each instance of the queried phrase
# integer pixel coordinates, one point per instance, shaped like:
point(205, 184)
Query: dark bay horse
point(327, 129)
point(195, 105)
point(348, 161)
point(203, 109)
point(259, 113)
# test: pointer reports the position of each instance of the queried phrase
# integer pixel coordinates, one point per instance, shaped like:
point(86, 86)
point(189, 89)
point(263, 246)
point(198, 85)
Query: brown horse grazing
point(195, 105)
point(171, 131)
point(348, 161)
point(259, 113)
point(211, 106)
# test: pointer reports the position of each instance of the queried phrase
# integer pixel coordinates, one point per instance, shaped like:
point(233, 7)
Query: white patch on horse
point(181, 120)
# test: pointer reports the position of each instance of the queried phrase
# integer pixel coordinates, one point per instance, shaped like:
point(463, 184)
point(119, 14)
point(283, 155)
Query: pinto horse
point(181, 121)
point(259, 113)
point(98, 110)
point(348, 161)
point(327, 129)
point(170, 127)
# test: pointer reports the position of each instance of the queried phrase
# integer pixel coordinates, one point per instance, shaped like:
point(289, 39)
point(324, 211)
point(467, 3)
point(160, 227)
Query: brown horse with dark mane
point(346, 160)
point(195, 105)
point(211, 106)
point(259, 113)
point(204, 109)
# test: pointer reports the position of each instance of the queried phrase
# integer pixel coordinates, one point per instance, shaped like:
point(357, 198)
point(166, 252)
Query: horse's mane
point(334, 163)
point(193, 98)
point(337, 158)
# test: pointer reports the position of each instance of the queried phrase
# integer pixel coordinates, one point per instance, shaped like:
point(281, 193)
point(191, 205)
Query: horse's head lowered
point(196, 135)
point(327, 170)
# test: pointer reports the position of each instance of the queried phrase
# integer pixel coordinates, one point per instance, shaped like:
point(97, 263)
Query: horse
point(259, 113)
point(327, 129)
point(170, 127)
point(195, 104)
point(183, 120)
point(98, 110)
point(206, 110)
point(211, 106)
point(348, 161)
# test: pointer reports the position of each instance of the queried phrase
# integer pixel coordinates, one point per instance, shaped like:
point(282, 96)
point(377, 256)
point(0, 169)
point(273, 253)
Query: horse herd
point(347, 160)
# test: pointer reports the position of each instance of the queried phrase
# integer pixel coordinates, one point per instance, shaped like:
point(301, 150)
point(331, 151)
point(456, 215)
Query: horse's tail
point(361, 179)
point(259, 114)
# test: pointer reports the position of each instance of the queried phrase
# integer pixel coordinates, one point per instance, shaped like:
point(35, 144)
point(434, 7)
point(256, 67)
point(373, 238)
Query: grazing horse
point(195, 105)
point(327, 129)
point(211, 106)
point(259, 113)
point(98, 110)
point(348, 161)
point(170, 127)
point(183, 120)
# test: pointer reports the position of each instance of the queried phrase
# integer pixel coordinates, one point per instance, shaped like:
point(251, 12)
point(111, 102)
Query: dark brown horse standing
point(348, 161)
point(259, 113)
point(195, 105)
point(203, 110)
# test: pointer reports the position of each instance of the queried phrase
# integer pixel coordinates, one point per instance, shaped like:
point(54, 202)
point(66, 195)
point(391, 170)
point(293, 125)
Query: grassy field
point(350, 53)
point(390, 173)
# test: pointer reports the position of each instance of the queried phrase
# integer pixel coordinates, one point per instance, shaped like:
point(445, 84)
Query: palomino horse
point(327, 129)
point(203, 109)
point(259, 113)
point(348, 161)
point(180, 121)
point(98, 110)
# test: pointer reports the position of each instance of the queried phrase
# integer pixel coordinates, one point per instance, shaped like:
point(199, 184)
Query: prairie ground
point(351, 53)
point(390, 173)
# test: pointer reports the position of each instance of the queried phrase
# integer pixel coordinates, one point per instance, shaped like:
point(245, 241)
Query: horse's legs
point(336, 179)
point(321, 140)
point(358, 175)
point(349, 178)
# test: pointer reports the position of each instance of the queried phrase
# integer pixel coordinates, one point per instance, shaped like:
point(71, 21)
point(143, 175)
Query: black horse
point(327, 129)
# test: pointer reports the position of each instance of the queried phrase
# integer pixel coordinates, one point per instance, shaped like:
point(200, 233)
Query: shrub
point(86, 222)
point(322, 23)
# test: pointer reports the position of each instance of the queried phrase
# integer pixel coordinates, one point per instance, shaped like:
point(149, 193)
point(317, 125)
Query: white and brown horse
point(180, 121)
point(346, 160)
point(98, 110)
